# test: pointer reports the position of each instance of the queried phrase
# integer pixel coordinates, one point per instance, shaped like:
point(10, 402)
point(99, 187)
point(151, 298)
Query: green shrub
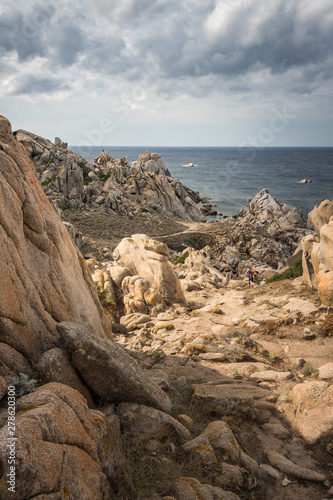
point(143, 209)
point(182, 259)
point(65, 207)
point(293, 272)
point(51, 179)
point(23, 384)
point(104, 177)
point(117, 328)
point(86, 178)
point(310, 370)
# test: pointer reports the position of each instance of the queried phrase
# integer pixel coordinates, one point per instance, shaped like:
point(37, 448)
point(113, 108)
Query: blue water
point(230, 176)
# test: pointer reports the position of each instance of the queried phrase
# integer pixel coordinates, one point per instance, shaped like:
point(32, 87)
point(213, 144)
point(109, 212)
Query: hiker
point(256, 279)
point(249, 274)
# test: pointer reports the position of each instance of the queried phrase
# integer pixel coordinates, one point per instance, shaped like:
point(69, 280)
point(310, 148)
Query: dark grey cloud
point(66, 44)
point(31, 85)
point(17, 34)
point(222, 40)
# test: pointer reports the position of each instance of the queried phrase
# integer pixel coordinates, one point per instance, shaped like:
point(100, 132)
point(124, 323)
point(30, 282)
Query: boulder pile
point(113, 186)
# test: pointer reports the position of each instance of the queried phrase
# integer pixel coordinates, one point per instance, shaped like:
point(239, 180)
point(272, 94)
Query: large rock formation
point(62, 449)
point(44, 278)
point(107, 184)
point(282, 222)
point(108, 370)
point(265, 232)
point(149, 259)
point(318, 252)
point(313, 404)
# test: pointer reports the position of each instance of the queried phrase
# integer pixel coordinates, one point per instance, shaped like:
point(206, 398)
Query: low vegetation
point(293, 272)
point(48, 181)
point(182, 259)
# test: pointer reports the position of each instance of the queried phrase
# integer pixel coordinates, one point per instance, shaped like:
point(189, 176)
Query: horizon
point(198, 147)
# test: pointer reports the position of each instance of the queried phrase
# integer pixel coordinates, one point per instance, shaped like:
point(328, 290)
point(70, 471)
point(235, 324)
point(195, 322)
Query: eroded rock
point(313, 403)
point(44, 277)
point(149, 259)
point(108, 370)
point(62, 447)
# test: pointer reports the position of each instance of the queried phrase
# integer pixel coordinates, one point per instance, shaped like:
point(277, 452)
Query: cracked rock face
point(62, 448)
point(44, 278)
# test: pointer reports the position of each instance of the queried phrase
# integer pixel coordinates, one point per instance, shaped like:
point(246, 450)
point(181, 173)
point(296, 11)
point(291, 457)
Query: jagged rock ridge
point(112, 185)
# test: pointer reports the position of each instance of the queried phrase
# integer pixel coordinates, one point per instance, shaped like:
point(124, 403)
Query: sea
point(229, 177)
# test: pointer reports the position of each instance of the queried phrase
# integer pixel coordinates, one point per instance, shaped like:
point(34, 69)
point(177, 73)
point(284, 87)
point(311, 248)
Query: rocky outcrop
point(149, 259)
point(107, 184)
point(108, 370)
point(44, 279)
point(139, 296)
point(265, 234)
point(64, 450)
point(156, 188)
point(144, 423)
point(313, 403)
point(265, 231)
point(318, 252)
point(321, 215)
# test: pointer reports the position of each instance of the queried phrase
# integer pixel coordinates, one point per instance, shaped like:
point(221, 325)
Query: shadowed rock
point(108, 370)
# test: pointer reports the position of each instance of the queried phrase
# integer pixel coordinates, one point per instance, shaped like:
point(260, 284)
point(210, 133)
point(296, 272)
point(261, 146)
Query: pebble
point(286, 482)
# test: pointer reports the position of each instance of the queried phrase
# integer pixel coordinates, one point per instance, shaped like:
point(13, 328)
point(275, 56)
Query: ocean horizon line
point(199, 147)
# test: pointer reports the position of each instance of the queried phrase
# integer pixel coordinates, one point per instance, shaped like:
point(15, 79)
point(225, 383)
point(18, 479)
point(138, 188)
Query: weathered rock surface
point(326, 371)
point(265, 233)
point(321, 215)
point(139, 297)
point(189, 488)
point(108, 370)
point(44, 278)
point(313, 406)
point(143, 423)
point(3, 388)
point(271, 376)
point(54, 366)
point(201, 447)
point(108, 184)
point(149, 259)
point(228, 398)
point(288, 467)
point(62, 448)
point(318, 252)
point(221, 437)
point(134, 320)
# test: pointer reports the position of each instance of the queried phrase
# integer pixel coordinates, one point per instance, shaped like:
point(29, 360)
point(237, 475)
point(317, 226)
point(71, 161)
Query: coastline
point(230, 177)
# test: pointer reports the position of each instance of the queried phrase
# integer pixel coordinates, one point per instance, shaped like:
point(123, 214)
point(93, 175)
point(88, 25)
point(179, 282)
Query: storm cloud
point(188, 48)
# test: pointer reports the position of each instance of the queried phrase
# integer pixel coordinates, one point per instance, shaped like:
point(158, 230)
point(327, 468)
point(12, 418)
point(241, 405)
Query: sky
point(239, 73)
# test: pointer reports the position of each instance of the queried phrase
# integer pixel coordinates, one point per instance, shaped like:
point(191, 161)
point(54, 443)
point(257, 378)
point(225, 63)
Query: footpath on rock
point(145, 367)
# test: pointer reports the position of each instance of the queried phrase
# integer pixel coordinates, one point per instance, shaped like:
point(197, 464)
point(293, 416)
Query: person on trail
point(249, 275)
point(256, 278)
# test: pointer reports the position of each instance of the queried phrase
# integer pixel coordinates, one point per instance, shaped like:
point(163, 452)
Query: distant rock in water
point(305, 181)
point(106, 184)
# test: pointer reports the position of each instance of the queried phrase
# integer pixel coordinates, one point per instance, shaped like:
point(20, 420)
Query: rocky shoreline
point(144, 367)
